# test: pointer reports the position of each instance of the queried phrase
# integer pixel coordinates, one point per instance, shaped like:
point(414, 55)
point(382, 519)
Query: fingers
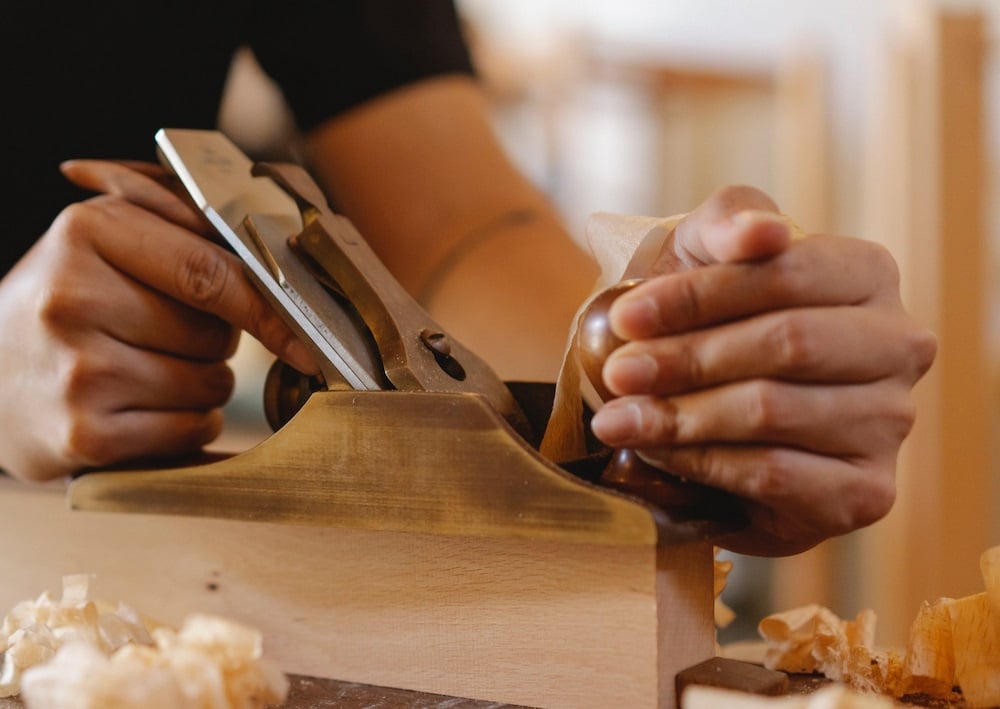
point(194, 272)
point(821, 270)
point(142, 318)
point(109, 376)
point(120, 321)
point(810, 461)
point(838, 421)
point(828, 344)
point(135, 434)
point(794, 498)
point(826, 310)
point(119, 402)
point(144, 184)
point(779, 370)
point(737, 223)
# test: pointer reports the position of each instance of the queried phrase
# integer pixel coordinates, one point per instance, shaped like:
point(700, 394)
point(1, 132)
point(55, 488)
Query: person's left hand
point(778, 370)
point(117, 326)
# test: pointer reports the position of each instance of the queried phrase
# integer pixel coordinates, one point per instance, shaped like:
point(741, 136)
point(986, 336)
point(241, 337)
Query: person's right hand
point(778, 370)
point(116, 326)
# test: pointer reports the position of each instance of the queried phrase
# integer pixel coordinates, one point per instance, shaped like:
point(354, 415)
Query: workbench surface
point(312, 693)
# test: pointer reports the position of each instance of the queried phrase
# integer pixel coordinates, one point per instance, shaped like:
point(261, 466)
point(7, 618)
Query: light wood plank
point(534, 622)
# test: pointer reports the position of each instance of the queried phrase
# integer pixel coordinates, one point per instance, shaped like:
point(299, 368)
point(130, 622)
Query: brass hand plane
point(405, 429)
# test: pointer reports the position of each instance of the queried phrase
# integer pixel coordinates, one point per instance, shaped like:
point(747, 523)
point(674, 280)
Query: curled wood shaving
point(953, 643)
point(77, 653)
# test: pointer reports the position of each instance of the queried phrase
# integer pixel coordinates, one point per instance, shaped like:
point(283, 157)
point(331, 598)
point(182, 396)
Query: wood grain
point(525, 621)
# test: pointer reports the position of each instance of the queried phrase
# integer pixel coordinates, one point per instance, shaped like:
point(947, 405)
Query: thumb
point(736, 223)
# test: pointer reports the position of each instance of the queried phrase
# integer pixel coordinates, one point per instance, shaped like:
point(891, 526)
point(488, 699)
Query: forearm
point(511, 292)
point(421, 175)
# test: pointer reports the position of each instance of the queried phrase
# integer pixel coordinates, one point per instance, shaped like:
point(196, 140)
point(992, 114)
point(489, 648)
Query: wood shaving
point(724, 615)
point(953, 643)
point(77, 653)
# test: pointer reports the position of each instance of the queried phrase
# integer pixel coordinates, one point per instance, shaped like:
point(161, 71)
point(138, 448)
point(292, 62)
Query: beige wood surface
point(802, 189)
point(533, 622)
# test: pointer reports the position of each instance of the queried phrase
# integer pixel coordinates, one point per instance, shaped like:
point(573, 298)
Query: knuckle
point(882, 260)
point(200, 429)
point(231, 342)
point(873, 502)
point(219, 383)
point(907, 415)
point(689, 303)
point(663, 423)
point(791, 273)
point(922, 346)
point(203, 277)
point(59, 306)
point(901, 417)
point(262, 322)
point(696, 462)
point(63, 301)
point(712, 468)
point(764, 410)
point(86, 443)
point(679, 365)
point(83, 376)
point(217, 339)
point(790, 343)
point(82, 373)
point(77, 221)
point(774, 479)
point(692, 366)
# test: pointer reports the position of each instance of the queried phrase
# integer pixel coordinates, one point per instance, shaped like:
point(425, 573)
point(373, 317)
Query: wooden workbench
point(313, 693)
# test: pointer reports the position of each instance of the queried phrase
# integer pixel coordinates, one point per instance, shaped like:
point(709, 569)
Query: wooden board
point(526, 621)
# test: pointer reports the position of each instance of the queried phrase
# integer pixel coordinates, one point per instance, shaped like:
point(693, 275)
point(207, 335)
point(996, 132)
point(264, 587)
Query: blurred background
point(874, 118)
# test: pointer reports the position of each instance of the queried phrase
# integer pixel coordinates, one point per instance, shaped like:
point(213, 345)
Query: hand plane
point(400, 527)
point(401, 408)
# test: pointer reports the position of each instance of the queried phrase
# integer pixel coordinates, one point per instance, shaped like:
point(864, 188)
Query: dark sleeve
point(336, 54)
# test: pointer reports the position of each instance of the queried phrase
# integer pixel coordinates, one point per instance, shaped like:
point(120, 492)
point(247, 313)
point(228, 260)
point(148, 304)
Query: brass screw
point(436, 342)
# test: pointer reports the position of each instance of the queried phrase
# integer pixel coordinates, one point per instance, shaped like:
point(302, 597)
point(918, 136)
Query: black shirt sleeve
point(339, 54)
point(114, 72)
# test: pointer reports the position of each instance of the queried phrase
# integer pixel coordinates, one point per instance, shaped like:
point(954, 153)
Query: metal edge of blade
point(307, 322)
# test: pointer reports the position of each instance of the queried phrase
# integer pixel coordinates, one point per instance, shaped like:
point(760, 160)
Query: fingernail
point(617, 423)
point(298, 356)
point(632, 374)
point(636, 316)
point(755, 216)
point(760, 218)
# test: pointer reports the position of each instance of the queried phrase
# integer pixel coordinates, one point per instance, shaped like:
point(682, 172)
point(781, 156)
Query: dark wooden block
point(732, 674)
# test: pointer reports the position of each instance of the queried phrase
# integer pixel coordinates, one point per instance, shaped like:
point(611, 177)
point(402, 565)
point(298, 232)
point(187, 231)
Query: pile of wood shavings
point(77, 653)
point(954, 643)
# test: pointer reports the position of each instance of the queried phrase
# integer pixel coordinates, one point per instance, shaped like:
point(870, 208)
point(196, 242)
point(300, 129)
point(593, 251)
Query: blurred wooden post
point(802, 173)
point(802, 190)
point(927, 204)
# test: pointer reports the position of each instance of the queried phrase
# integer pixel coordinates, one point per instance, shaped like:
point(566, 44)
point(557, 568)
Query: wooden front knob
point(595, 340)
point(711, 511)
